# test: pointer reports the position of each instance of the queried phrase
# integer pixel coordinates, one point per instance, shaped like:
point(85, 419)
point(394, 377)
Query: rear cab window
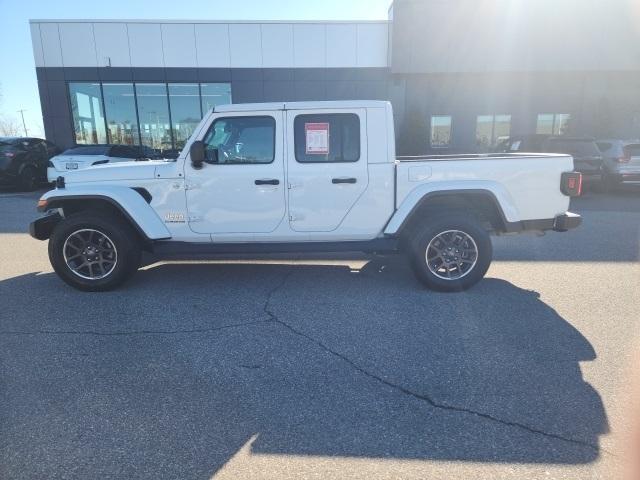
point(327, 138)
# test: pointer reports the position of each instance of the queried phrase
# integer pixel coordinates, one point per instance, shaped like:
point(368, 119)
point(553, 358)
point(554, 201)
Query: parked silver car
point(621, 162)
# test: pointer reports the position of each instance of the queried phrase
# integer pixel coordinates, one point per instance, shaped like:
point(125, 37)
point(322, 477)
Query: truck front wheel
point(450, 253)
point(94, 252)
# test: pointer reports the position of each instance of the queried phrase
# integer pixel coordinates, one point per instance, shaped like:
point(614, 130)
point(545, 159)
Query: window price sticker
point(317, 138)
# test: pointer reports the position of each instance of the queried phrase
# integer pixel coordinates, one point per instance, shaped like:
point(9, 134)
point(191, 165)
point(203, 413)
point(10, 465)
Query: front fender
point(423, 192)
point(129, 202)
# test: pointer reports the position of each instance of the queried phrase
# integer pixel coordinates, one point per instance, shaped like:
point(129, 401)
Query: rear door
point(327, 166)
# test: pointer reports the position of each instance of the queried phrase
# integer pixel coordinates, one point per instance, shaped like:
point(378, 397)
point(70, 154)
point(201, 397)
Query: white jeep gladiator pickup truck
point(292, 177)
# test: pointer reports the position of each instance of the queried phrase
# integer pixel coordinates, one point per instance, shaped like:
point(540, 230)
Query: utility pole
point(24, 125)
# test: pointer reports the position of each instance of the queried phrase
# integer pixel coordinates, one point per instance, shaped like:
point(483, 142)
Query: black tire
point(465, 274)
point(28, 179)
point(123, 238)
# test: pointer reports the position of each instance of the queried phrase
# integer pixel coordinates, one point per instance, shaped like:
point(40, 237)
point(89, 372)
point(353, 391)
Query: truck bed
point(526, 185)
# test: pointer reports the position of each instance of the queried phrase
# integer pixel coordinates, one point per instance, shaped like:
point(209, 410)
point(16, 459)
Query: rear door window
point(327, 138)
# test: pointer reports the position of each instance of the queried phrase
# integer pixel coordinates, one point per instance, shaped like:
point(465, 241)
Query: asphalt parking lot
point(327, 367)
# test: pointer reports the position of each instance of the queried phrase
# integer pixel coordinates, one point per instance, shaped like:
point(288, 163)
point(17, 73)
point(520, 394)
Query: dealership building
point(461, 74)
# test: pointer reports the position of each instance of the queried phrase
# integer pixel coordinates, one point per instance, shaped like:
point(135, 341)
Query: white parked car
point(291, 177)
point(85, 156)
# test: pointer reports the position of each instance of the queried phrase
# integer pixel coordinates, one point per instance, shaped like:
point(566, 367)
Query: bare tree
point(9, 127)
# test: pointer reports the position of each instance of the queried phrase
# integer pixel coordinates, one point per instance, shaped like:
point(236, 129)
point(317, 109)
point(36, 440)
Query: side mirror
point(197, 154)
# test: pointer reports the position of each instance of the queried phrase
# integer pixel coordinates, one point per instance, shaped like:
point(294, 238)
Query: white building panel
point(246, 45)
point(145, 45)
point(277, 45)
point(36, 43)
point(112, 44)
point(342, 45)
point(179, 45)
point(212, 45)
point(310, 45)
point(373, 43)
point(51, 50)
point(78, 45)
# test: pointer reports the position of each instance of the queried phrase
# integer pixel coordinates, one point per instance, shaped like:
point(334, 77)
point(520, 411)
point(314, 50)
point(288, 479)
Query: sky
point(18, 85)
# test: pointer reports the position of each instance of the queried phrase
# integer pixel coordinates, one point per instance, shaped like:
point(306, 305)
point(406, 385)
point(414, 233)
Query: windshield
point(88, 150)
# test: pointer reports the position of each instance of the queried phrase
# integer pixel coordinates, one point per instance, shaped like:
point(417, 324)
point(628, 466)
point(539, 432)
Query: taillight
point(624, 159)
point(571, 184)
point(9, 154)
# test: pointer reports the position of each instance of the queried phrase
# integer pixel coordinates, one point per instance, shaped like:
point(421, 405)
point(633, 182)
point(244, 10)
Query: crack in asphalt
point(132, 332)
point(273, 318)
point(419, 396)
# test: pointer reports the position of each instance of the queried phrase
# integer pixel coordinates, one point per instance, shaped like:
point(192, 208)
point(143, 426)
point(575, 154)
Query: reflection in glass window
point(215, 94)
point(86, 109)
point(120, 110)
point(184, 100)
point(241, 140)
point(492, 129)
point(441, 131)
point(553, 123)
point(153, 114)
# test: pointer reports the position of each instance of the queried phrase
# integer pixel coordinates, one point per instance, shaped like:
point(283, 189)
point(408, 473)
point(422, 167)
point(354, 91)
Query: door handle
point(268, 182)
point(336, 181)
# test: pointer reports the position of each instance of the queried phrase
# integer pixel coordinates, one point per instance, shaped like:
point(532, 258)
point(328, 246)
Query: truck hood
point(114, 171)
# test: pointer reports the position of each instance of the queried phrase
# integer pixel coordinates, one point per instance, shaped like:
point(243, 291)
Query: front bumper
point(41, 228)
point(567, 221)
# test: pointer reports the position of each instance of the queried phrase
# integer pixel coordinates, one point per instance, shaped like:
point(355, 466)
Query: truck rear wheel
point(450, 253)
point(94, 252)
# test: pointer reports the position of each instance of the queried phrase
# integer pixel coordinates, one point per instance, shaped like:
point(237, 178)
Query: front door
point(240, 188)
point(327, 166)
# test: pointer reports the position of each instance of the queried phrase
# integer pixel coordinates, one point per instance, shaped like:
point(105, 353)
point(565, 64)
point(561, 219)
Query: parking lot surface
point(324, 367)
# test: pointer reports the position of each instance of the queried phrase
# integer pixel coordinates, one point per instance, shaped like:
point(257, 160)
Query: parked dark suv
point(587, 157)
point(23, 161)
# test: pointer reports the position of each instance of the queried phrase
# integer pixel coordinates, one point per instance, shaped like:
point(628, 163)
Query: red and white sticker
point(317, 138)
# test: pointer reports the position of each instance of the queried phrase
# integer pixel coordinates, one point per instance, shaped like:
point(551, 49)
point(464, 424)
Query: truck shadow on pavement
point(188, 364)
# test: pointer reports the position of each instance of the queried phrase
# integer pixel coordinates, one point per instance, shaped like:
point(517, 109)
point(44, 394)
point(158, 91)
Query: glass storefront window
point(153, 113)
point(120, 110)
point(484, 130)
point(165, 118)
point(215, 94)
point(492, 129)
point(86, 110)
point(441, 131)
point(184, 100)
point(553, 123)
